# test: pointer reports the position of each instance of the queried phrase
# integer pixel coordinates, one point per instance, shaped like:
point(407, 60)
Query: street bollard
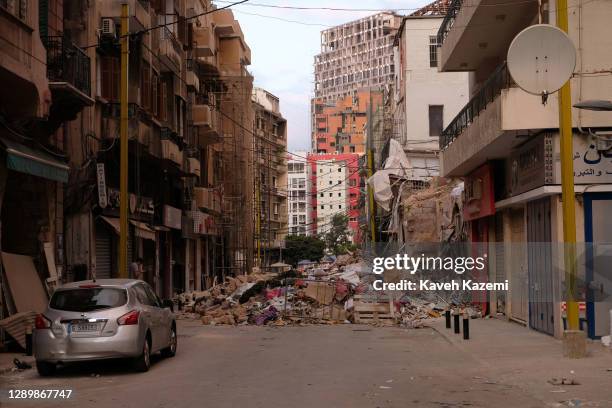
point(456, 322)
point(447, 315)
point(466, 327)
point(28, 341)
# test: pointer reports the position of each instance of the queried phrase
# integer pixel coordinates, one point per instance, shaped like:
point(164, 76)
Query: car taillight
point(42, 322)
point(129, 318)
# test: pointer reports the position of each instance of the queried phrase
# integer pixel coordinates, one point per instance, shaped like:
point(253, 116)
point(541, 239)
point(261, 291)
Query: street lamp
point(595, 105)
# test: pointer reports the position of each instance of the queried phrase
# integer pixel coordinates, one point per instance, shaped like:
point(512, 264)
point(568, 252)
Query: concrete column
point(187, 264)
point(198, 266)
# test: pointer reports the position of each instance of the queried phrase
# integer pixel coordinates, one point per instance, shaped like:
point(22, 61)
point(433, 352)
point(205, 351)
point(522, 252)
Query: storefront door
point(598, 237)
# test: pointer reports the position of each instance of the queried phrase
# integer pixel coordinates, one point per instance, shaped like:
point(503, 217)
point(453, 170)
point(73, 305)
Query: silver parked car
point(107, 318)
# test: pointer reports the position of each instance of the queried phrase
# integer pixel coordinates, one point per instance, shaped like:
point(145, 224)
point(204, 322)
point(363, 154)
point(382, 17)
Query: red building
point(335, 189)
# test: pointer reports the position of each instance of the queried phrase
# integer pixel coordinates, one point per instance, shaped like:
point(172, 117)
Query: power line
point(284, 19)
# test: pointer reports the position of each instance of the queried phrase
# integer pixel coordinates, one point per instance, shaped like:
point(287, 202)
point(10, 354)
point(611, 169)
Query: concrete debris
point(563, 381)
point(336, 292)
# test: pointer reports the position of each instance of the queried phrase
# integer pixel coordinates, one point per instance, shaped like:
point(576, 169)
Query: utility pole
point(123, 177)
point(572, 337)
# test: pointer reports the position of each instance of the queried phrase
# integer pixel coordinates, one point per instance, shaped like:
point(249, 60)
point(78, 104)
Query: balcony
point(193, 166)
point(68, 70)
point(169, 52)
point(235, 54)
point(205, 120)
point(495, 120)
point(207, 199)
point(140, 17)
point(224, 22)
point(191, 77)
point(479, 31)
point(203, 116)
point(204, 42)
point(170, 151)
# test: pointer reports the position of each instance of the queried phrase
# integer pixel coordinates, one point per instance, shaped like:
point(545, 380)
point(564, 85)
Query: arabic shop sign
point(531, 165)
point(591, 166)
point(142, 207)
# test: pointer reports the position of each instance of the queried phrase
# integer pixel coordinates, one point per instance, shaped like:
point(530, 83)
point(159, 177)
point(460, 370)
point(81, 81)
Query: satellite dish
point(541, 59)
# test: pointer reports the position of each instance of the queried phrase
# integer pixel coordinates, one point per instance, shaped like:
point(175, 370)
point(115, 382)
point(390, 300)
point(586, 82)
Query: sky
point(283, 52)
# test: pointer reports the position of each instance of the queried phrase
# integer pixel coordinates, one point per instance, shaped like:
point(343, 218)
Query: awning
point(143, 231)
point(113, 222)
point(31, 161)
point(160, 228)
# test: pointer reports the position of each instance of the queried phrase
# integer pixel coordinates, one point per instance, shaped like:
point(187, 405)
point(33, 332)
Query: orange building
point(341, 128)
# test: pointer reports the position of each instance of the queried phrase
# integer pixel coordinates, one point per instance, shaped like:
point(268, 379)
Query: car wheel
point(45, 369)
point(170, 351)
point(143, 362)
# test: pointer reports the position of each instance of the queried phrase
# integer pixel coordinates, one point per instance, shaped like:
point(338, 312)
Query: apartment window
point(322, 195)
point(154, 94)
point(433, 51)
point(110, 68)
point(162, 104)
point(18, 8)
point(145, 86)
point(322, 207)
point(436, 118)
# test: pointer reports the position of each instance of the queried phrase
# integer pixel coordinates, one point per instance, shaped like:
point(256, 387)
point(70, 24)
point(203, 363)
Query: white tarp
point(396, 164)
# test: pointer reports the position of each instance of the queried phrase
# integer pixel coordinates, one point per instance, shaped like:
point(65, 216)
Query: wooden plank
point(17, 324)
point(25, 285)
point(371, 307)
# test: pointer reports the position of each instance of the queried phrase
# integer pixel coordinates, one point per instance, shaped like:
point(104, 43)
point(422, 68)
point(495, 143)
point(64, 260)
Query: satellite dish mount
point(541, 59)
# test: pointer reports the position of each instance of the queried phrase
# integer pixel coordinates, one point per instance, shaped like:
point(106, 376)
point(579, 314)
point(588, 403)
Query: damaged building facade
point(270, 150)
point(190, 143)
point(504, 143)
point(47, 90)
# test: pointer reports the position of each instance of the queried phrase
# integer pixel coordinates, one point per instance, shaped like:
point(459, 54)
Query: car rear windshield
point(88, 299)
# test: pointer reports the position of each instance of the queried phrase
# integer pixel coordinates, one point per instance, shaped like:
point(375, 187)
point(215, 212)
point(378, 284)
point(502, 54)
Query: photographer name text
point(429, 285)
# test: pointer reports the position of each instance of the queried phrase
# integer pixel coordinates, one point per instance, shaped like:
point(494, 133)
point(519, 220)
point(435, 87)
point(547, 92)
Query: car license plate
point(86, 327)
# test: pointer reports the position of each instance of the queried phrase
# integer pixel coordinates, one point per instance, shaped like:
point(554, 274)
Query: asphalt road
point(312, 366)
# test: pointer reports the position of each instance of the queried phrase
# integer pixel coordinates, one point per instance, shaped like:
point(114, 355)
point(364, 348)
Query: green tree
point(299, 247)
point(337, 238)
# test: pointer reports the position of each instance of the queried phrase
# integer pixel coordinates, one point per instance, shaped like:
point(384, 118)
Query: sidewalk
point(512, 354)
point(6, 361)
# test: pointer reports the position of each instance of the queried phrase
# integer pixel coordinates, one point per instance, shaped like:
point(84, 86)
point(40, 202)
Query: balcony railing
point(500, 79)
point(449, 20)
point(68, 63)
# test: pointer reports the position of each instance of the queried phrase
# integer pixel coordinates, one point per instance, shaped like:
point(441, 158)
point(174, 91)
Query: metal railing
point(500, 79)
point(68, 63)
point(449, 20)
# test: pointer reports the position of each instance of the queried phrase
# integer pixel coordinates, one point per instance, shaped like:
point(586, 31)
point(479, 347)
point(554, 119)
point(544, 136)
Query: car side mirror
point(167, 303)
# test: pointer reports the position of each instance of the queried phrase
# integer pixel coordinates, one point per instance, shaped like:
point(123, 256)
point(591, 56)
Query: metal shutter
point(104, 243)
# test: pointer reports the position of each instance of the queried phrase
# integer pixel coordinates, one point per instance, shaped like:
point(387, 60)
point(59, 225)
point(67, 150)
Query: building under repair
point(190, 146)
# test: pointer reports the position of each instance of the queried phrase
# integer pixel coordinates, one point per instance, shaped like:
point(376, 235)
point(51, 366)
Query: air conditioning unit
point(108, 28)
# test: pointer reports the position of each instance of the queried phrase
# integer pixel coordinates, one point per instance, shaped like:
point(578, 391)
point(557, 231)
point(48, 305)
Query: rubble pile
point(339, 292)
